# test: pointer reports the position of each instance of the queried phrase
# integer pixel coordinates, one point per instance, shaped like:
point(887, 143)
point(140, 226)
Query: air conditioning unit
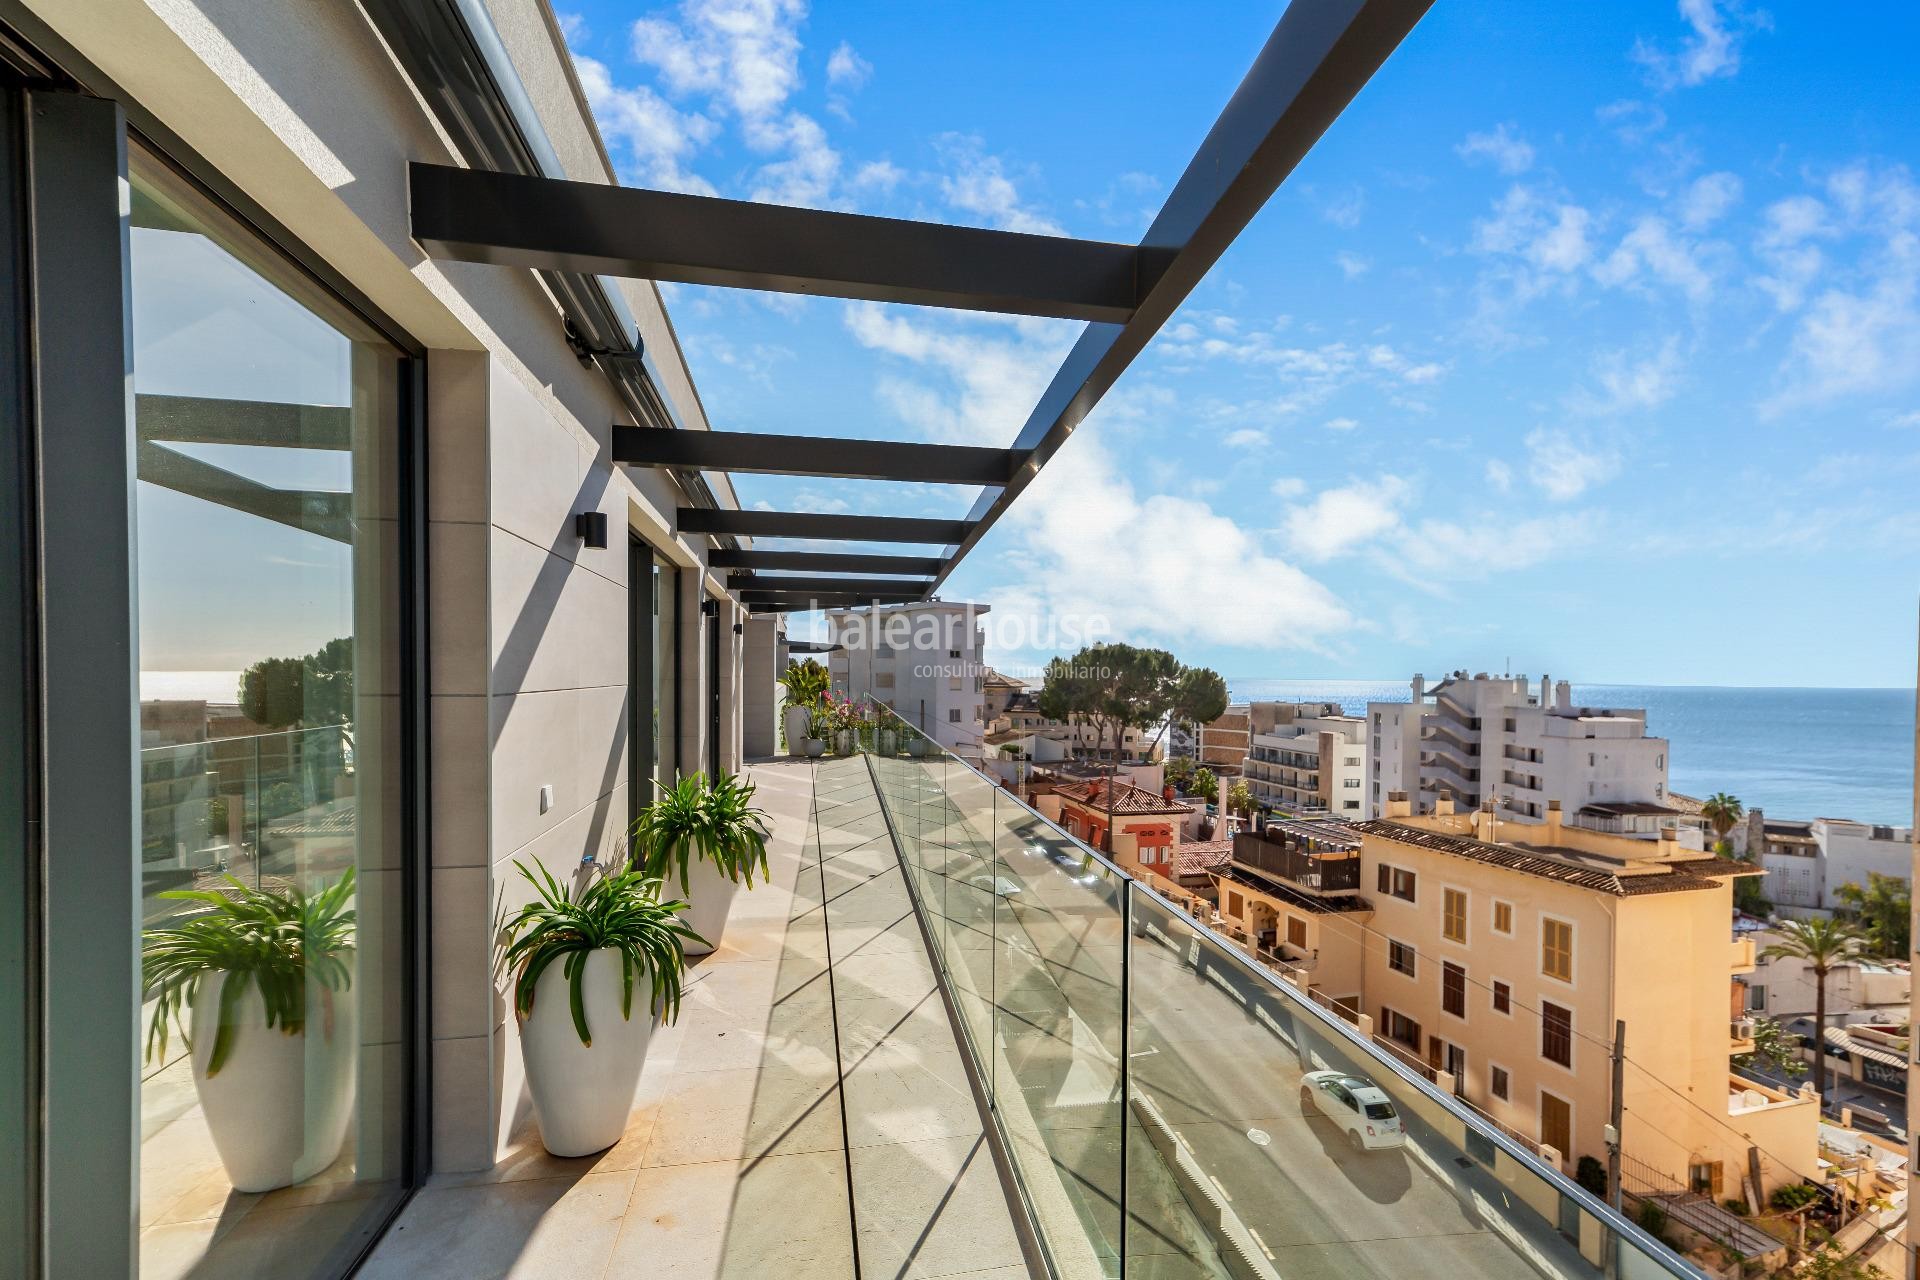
point(1743, 1029)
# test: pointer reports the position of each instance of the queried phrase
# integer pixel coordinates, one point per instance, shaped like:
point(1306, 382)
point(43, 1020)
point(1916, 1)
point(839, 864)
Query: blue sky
point(1587, 344)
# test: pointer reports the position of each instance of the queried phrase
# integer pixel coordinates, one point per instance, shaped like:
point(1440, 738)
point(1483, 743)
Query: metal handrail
point(1330, 1022)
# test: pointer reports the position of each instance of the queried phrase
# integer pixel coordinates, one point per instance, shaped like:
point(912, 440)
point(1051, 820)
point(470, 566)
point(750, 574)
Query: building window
point(1502, 998)
point(1556, 1123)
point(1499, 1084)
point(1396, 883)
point(1453, 989)
point(272, 528)
point(1296, 932)
point(1400, 957)
point(1236, 906)
point(1556, 949)
point(1556, 1033)
point(953, 653)
point(1453, 915)
point(1756, 999)
point(1503, 917)
point(1353, 783)
point(1400, 1028)
point(953, 715)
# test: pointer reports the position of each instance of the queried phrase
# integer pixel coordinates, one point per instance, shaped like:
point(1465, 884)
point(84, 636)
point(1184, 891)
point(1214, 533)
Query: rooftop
point(1126, 797)
point(1568, 865)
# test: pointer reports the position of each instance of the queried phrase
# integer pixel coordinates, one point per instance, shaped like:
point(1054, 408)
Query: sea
point(1796, 753)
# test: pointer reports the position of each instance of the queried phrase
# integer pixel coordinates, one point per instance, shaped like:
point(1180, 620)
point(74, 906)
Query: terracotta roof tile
point(1201, 856)
point(1127, 798)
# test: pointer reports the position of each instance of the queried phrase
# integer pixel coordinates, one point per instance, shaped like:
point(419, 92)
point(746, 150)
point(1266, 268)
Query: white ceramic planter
point(279, 1107)
point(583, 1094)
point(815, 747)
point(709, 897)
point(795, 719)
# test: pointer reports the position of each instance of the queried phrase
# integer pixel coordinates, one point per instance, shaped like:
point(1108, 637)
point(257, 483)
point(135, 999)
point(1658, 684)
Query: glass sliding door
point(653, 671)
point(18, 680)
point(272, 763)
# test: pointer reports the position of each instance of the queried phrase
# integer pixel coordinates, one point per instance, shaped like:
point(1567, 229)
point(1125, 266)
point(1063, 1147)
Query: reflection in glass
point(267, 424)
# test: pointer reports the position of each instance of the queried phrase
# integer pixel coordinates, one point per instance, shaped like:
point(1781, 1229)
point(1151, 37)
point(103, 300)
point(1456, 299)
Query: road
point(1217, 1054)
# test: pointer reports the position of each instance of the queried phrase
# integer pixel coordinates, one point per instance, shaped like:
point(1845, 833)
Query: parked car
point(1357, 1105)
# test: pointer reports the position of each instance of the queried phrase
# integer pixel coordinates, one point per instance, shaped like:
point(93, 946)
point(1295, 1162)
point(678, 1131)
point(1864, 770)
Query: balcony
point(1742, 957)
point(932, 1043)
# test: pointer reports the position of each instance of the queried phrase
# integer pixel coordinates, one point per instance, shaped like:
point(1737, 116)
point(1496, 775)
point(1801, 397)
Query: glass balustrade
point(1170, 1107)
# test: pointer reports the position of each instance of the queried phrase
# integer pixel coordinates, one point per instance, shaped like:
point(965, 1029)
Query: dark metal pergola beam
point(822, 561)
point(766, 454)
point(825, 599)
point(808, 524)
point(472, 215)
point(1320, 55)
point(328, 514)
point(916, 587)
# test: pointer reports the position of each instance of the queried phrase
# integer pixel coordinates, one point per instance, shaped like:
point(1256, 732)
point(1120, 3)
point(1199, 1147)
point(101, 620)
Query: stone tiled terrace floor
point(813, 1053)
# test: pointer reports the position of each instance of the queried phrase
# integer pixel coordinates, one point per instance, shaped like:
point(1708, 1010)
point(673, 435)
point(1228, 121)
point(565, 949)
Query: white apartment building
point(925, 660)
point(1307, 758)
point(1806, 862)
point(1481, 737)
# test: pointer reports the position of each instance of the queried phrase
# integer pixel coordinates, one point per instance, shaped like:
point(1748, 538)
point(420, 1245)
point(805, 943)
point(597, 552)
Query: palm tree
point(1824, 945)
point(1723, 811)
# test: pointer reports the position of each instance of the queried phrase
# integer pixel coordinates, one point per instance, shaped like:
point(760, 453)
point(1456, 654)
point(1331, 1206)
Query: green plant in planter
point(273, 940)
point(621, 910)
point(714, 822)
point(805, 682)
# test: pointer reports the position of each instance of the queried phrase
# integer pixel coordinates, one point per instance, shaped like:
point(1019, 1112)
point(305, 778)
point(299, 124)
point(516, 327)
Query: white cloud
point(1708, 199)
point(847, 69)
point(977, 183)
point(656, 139)
point(1434, 551)
point(1710, 50)
point(1341, 424)
point(1502, 146)
point(1289, 487)
point(1188, 567)
point(1339, 520)
point(1546, 234)
point(1860, 335)
point(1905, 421)
point(1344, 209)
point(1352, 265)
point(1245, 438)
point(1499, 475)
point(1633, 121)
point(744, 53)
point(1651, 253)
point(1564, 467)
point(573, 27)
point(1628, 385)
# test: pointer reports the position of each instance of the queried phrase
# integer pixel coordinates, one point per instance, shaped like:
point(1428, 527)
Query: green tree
point(1180, 771)
point(805, 683)
point(1884, 912)
point(1112, 687)
point(1206, 785)
point(282, 693)
point(1199, 695)
point(1239, 798)
point(1773, 1045)
point(1824, 945)
point(1723, 811)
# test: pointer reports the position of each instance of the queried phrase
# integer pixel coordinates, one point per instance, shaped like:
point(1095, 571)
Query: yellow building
point(1498, 956)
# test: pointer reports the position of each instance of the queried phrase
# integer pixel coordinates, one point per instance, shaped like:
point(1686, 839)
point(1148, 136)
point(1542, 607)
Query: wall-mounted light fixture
point(591, 526)
point(739, 629)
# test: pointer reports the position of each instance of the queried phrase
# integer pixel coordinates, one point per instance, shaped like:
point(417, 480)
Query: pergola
point(1318, 57)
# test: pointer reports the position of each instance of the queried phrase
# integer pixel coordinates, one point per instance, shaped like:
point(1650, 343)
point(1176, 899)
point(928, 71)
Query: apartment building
point(1307, 758)
point(1480, 737)
point(1222, 743)
point(1807, 862)
point(1500, 954)
point(923, 659)
point(1144, 825)
point(1014, 718)
point(1783, 987)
